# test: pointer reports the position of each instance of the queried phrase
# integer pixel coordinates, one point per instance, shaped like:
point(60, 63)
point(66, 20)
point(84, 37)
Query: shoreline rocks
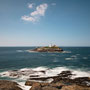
point(61, 82)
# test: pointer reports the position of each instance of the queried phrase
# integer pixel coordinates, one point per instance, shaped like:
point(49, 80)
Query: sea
point(19, 63)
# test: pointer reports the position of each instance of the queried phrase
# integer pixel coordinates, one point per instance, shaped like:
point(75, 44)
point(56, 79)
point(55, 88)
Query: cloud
point(53, 4)
point(40, 10)
point(28, 18)
point(35, 15)
point(30, 5)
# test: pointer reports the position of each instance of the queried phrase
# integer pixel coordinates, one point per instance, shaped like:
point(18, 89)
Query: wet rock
point(43, 71)
point(40, 78)
point(34, 75)
point(8, 85)
point(83, 81)
point(65, 78)
point(13, 75)
point(65, 74)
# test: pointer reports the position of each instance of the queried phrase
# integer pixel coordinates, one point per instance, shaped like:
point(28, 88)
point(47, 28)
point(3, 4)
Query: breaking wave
point(24, 74)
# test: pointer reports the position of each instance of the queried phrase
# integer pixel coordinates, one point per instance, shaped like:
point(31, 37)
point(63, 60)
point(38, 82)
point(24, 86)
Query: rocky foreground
point(9, 85)
point(48, 49)
point(61, 82)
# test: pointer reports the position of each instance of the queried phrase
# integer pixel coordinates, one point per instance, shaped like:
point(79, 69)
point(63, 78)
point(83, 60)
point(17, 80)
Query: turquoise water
point(20, 57)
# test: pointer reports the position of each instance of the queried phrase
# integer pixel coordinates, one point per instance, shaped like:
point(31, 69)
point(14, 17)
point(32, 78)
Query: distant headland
point(50, 48)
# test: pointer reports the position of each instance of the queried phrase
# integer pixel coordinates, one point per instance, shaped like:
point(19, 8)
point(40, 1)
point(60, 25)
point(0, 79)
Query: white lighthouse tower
point(50, 45)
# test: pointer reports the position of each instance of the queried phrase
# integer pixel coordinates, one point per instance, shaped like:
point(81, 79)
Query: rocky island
point(52, 48)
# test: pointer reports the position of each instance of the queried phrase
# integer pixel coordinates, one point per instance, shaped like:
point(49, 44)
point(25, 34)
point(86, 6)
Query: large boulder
point(36, 86)
point(9, 85)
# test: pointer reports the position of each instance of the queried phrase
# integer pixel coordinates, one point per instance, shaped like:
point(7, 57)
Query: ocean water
point(21, 61)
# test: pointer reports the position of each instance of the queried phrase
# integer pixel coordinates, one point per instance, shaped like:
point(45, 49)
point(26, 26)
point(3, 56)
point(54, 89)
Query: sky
point(44, 22)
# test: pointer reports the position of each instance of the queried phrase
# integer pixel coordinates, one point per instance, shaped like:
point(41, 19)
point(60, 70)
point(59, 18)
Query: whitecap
point(66, 52)
point(73, 56)
point(19, 50)
point(85, 58)
point(40, 69)
point(55, 60)
point(77, 54)
point(68, 58)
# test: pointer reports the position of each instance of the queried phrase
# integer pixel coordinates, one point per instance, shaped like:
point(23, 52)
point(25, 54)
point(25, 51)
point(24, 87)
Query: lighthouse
point(50, 45)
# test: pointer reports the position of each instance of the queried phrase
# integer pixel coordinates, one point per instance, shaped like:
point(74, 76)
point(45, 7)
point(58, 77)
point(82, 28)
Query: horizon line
point(44, 45)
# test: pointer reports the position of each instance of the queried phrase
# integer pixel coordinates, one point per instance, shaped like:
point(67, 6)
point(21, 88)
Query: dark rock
point(40, 78)
point(14, 74)
point(61, 82)
point(8, 85)
point(65, 78)
point(43, 71)
point(65, 74)
point(83, 81)
point(34, 75)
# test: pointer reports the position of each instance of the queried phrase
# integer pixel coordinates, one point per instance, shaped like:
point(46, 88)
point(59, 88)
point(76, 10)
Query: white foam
point(80, 73)
point(77, 54)
point(55, 60)
point(74, 56)
point(85, 58)
point(55, 71)
point(4, 74)
point(69, 58)
point(23, 86)
point(66, 52)
point(19, 50)
point(40, 69)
